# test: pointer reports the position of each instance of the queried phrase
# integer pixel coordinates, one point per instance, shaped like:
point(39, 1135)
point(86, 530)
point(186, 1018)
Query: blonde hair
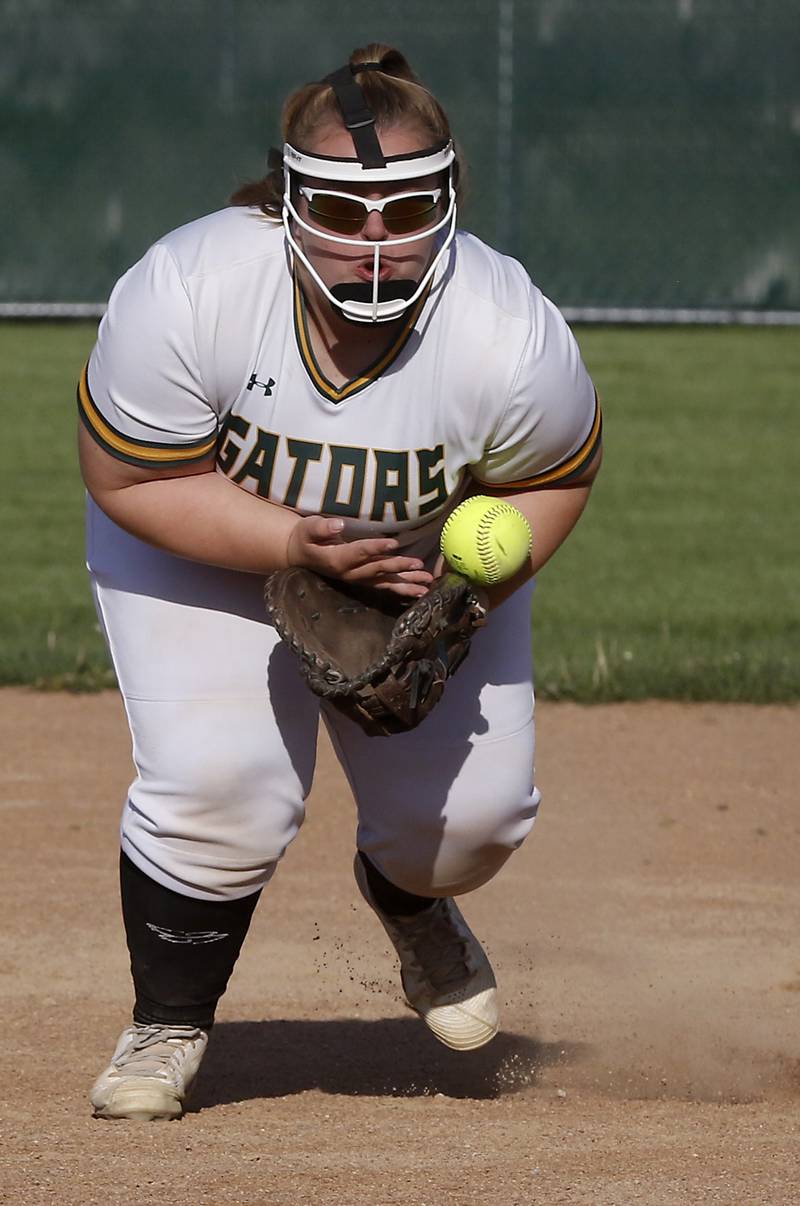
point(394, 94)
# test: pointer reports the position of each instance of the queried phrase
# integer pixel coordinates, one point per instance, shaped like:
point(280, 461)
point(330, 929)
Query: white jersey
point(205, 346)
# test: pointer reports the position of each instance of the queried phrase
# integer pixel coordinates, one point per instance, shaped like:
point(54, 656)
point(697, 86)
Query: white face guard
point(398, 168)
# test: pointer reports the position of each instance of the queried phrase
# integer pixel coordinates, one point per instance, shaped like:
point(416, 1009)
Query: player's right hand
point(318, 543)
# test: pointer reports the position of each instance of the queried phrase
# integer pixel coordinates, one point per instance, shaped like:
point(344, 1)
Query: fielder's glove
point(380, 662)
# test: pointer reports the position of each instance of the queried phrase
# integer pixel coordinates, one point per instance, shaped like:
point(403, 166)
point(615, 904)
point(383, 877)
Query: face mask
point(334, 211)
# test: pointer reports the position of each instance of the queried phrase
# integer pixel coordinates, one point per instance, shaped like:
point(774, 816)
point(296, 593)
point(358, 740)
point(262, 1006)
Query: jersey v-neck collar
point(339, 393)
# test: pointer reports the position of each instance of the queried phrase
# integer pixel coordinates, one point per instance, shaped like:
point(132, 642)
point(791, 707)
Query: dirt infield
point(645, 941)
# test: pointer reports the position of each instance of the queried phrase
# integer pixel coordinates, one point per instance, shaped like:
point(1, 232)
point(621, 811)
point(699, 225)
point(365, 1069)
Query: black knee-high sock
point(182, 949)
point(390, 898)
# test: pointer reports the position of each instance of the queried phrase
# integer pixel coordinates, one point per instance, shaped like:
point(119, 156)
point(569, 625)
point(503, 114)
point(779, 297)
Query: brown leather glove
point(383, 664)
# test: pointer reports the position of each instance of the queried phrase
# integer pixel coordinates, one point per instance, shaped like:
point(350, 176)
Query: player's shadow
point(393, 1057)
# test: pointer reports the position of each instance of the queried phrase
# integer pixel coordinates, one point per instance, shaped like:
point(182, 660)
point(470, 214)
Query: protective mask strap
point(356, 114)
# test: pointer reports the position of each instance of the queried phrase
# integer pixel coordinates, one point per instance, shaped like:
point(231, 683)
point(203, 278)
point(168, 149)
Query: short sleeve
point(551, 427)
point(141, 395)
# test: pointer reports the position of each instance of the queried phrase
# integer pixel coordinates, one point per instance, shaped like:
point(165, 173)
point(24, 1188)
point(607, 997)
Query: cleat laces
point(437, 950)
point(156, 1051)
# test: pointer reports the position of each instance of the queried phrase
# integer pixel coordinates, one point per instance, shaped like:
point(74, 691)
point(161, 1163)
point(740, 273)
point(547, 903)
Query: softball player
point(316, 376)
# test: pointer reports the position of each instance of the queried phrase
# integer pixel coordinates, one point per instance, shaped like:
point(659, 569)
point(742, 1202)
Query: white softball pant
point(224, 737)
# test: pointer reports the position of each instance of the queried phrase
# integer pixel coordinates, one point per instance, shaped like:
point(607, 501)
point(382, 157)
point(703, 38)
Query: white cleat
point(446, 975)
point(150, 1074)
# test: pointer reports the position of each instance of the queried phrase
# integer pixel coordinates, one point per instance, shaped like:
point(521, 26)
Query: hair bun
point(387, 59)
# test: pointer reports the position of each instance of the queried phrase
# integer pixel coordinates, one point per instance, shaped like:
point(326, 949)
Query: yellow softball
point(486, 539)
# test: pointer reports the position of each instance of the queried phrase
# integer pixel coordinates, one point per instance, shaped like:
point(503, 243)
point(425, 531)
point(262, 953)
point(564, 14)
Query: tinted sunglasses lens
point(338, 213)
point(408, 214)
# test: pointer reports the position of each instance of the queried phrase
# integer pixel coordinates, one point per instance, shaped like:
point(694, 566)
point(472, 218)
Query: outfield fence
point(641, 157)
point(602, 315)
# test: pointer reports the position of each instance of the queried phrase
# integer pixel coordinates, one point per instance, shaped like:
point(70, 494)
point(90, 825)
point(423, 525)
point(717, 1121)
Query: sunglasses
point(402, 213)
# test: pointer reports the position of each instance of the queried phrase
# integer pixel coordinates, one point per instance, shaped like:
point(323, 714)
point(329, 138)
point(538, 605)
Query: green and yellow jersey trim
point(569, 469)
point(126, 448)
point(318, 378)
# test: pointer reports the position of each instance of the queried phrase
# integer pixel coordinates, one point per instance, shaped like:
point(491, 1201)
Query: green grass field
point(681, 581)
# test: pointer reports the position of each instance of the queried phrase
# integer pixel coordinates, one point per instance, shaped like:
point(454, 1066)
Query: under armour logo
point(265, 385)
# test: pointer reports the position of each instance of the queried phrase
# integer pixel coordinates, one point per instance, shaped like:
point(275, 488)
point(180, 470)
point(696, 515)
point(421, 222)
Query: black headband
point(356, 114)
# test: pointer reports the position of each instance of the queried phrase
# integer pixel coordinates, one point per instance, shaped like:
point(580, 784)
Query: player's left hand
point(381, 663)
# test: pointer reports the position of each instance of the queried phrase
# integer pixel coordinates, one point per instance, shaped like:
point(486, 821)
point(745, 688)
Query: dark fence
point(633, 153)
